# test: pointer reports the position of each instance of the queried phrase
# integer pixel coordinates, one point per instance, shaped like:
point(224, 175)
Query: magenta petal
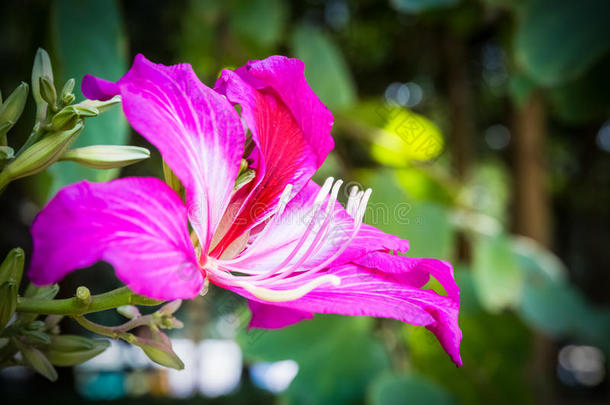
point(365, 291)
point(197, 131)
point(290, 128)
point(267, 316)
point(95, 88)
point(139, 225)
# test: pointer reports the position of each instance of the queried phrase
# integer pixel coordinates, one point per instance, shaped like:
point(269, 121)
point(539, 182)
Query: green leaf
point(90, 39)
point(559, 41)
point(261, 21)
point(327, 349)
point(407, 389)
point(495, 351)
point(325, 69)
point(418, 6)
point(498, 279)
point(426, 225)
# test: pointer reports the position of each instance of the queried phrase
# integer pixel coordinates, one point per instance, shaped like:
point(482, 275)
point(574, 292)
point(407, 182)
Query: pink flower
point(281, 241)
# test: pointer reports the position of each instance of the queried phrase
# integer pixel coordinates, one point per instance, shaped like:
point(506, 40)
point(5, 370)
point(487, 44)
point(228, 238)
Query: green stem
point(111, 332)
point(75, 306)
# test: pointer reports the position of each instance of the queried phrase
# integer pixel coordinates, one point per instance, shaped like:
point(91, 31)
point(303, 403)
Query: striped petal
point(197, 131)
point(139, 225)
point(290, 128)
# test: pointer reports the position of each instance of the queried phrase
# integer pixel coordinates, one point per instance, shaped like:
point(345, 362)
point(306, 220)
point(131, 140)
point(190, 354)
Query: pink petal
point(197, 131)
point(273, 317)
point(95, 88)
point(290, 127)
point(365, 291)
point(139, 225)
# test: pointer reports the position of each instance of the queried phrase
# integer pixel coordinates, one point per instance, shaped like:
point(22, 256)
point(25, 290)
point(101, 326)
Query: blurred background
point(483, 127)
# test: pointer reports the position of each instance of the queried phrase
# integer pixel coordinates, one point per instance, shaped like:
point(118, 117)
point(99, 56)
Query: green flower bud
point(37, 360)
point(106, 156)
point(69, 350)
point(6, 152)
point(8, 302)
point(48, 92)
point(42, 67)
point(40, 155)
point(67, 89)
point(101, 106)
point(44, 293)
point(64, 120)
point(11, 268)
point(36, 337)
point(170, 307)
point(68, 99)
point(160, 352)
point(86, 111)
point(11, 109)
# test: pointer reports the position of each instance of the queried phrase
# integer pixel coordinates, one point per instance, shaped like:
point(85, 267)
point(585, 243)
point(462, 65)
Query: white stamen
point(288, 295)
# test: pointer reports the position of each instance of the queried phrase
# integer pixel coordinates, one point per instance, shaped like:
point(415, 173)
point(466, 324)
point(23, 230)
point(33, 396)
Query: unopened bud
point(11, 268)
point(44, 293)
point(86, 111)
point(128, 311)
point(69, 350)
point(68, 88)
point(36, 337)
point(8, 302)
point(42, 68)
point(6, 152)
point(37, 360)
point(160, 351)
point(106, 156)
point(47, 91)
point(170, 307)
point(42, 154)
point(101, 106)
point(64, 120)
point(11, 109)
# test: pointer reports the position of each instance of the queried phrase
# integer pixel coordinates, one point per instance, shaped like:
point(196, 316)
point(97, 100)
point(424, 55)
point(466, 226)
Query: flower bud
point(67, 91)
point(37, 360)
point(69, 350)
point(128, 311)
point(101, 106)
point(42, 154)
point(42, 67)
point(86, 111)
point(11, 268)
point(170, 307)
point(8, 302)
point(106, 156)
point(6, 152)
point(11, 109)
point(64, 120)
point(44, 293)
point(48, 92)
point(36, 337)
point(160, 350)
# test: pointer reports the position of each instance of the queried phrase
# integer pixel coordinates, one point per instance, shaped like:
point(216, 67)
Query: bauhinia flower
point(280, 240)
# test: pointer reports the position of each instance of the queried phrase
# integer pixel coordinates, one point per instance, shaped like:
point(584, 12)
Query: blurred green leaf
point(261, 21)
point(407, 389)
point(90, 39)
point(325, 69)
point(426, 225)
point(495, 350)
point(498, 279)
point(328, 349)
point(559, 41)
point(418, 6)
